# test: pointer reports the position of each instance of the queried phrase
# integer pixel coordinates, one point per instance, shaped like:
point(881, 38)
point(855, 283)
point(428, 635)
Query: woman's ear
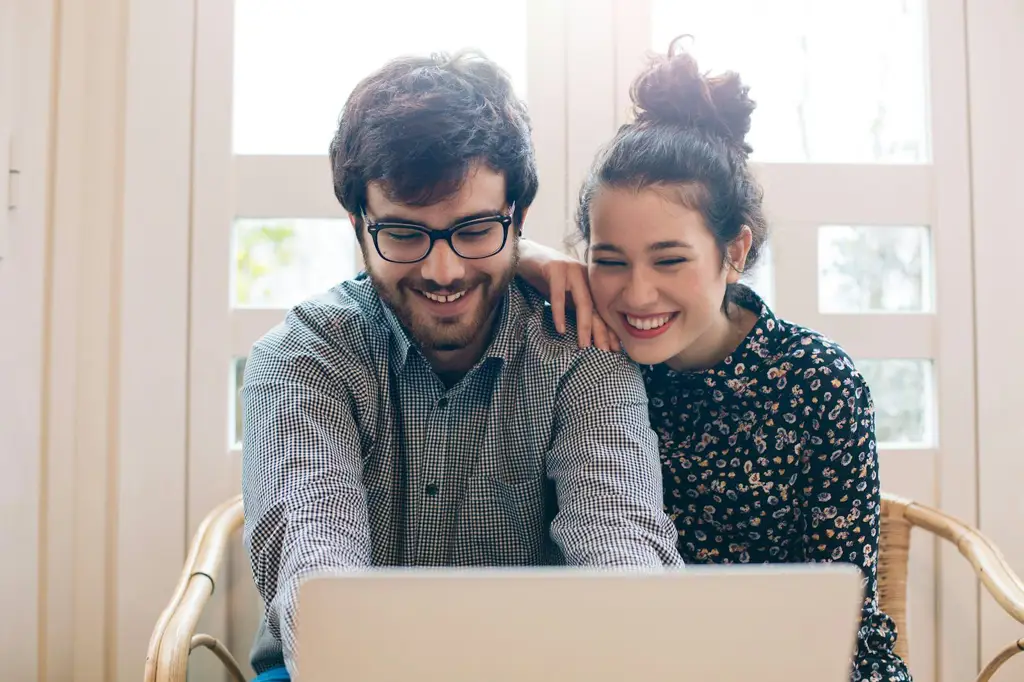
point(737, 254)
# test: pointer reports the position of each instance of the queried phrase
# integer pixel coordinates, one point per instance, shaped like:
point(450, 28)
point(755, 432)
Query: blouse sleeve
point(841, 503)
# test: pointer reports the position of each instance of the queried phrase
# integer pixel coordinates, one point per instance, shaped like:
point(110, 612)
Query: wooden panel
point(912, 474)
point(545, 92)
point(995, 39)
point(283, 186)
point(954, 299)
point(847, 194)
point(214, 175)
point(243, 601)
point(26, 45)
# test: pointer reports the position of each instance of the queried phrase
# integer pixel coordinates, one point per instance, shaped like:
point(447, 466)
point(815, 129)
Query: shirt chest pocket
point(507, 520)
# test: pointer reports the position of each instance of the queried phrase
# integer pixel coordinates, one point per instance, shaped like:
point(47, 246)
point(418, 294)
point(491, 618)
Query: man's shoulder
point(343, 322)
point(560, 353)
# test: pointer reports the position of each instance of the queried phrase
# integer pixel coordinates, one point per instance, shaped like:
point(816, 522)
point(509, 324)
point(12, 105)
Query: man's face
point(446, 302)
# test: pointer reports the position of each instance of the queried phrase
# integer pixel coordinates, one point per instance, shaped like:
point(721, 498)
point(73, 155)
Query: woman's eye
point(671, 261)
point(608, 263)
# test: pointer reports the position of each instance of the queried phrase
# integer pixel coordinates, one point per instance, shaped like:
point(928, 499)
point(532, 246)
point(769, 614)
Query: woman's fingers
point(576, 283)
point(556, 285)
point(602, 335)
point(616, 344)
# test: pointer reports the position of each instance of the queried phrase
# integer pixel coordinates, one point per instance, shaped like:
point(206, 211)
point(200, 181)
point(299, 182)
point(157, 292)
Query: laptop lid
point(766, 623)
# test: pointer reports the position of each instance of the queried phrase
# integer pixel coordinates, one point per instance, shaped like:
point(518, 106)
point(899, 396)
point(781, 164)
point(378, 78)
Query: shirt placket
point(435, 481)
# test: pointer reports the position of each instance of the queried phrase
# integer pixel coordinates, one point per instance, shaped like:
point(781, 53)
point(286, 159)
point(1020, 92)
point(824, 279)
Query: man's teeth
point(648, 322)
point(442, 298)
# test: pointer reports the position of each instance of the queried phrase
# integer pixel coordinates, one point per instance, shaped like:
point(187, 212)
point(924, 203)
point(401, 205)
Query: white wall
point(25, 39)
point(996, 57)
point(93, 298)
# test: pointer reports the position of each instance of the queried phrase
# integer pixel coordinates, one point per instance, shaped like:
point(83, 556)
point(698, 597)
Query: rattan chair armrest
point(171, 640)
point(997, 662)
point(995, 573)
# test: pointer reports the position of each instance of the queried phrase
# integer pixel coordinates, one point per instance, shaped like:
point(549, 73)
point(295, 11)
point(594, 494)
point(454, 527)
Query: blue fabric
point(279, 674)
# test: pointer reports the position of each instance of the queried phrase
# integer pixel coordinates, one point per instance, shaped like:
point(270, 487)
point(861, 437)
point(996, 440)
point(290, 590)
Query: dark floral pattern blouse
point(770, 457)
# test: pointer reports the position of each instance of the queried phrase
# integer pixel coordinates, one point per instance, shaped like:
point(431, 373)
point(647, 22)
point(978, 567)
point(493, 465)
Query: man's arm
point(305, 503)
point(606, 468)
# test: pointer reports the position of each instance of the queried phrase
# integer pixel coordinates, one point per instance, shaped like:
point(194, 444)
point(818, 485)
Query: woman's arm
point(841, 502)
point(555, 275)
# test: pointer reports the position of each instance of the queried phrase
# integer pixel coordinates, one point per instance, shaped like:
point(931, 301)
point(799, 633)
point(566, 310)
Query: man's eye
point(402, 235)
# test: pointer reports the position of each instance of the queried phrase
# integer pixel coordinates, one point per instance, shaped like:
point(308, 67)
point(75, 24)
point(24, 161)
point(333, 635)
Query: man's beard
point(434, 333)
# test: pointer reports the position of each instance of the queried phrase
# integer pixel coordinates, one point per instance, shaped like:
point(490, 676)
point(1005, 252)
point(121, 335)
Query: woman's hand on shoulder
point(563, 280)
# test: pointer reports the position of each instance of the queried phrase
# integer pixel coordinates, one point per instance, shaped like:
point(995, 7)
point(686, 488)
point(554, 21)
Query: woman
point(766, 427)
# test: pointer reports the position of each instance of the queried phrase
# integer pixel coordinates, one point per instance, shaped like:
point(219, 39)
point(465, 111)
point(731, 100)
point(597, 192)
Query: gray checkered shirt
point(356, 455)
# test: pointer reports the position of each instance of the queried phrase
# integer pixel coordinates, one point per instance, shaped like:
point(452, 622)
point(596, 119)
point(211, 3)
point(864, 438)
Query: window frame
point(574, 45)
point(801, 197)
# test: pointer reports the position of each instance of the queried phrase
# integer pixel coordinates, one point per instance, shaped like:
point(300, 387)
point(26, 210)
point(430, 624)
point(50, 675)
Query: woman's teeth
point(443, 298)
point(648, 322)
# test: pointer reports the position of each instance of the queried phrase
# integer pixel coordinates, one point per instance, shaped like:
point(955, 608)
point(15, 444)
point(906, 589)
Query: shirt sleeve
point(305, 503)
point(841, 506)
point(607, 472)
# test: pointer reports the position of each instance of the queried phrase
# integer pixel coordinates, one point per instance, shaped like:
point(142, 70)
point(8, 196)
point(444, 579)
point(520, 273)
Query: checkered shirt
point(356, 455)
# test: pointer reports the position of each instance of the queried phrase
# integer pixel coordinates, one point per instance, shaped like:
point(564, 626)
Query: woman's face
point(657, 276)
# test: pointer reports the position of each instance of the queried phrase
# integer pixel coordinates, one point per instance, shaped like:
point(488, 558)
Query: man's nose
point(443, 266)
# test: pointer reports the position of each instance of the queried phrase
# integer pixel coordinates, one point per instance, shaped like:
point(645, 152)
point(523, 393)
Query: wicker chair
point(174, 637)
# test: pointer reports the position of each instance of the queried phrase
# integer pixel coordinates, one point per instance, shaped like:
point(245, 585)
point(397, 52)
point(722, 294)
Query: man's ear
point(522, 217)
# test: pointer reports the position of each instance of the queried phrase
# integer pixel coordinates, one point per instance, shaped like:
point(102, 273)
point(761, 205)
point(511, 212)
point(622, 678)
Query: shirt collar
point(507, 336)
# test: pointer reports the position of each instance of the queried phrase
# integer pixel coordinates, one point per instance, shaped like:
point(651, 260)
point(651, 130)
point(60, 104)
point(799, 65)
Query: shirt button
point(431, 489)
point(442, 403)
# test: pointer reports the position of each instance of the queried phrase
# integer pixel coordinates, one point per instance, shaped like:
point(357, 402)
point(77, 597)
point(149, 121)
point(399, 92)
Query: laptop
point(769, 623)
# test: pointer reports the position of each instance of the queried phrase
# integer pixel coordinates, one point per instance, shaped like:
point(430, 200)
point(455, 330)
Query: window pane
point(902, 393)
point(279, 263)
point(296, 62)
point(762, 277)
point(874, 269)
point(837, 81)
point(237, 373)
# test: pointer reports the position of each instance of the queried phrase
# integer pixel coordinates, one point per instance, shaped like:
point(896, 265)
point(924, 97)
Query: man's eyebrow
point(390, 218)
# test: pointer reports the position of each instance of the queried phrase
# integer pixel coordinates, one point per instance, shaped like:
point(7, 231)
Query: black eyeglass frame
point(373, 229)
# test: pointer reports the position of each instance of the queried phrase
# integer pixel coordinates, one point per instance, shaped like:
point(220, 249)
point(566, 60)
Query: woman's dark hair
point(419, 123)
point(688, 132)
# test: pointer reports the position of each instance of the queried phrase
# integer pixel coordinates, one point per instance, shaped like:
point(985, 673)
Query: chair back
point(893, 560)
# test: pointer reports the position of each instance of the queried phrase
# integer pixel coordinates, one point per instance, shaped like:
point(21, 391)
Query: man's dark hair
point(418, 124)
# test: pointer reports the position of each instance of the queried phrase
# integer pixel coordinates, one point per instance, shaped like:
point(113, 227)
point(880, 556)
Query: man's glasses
point(399, 242)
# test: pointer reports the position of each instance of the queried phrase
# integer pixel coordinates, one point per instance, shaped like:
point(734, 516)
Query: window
point(833, 81)
point(874, 269)
point(278, 263)
point(296, 62)
point(237, 374)
point(902, 394)
point(862, 217)
point(761, 278)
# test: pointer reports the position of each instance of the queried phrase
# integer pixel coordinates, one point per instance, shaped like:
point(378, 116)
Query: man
point(429, 414)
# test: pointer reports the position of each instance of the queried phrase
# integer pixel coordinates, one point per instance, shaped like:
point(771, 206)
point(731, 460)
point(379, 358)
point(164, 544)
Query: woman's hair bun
point(672, 90)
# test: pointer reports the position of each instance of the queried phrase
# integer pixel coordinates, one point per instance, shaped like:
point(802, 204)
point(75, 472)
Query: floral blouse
point(770, 457)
